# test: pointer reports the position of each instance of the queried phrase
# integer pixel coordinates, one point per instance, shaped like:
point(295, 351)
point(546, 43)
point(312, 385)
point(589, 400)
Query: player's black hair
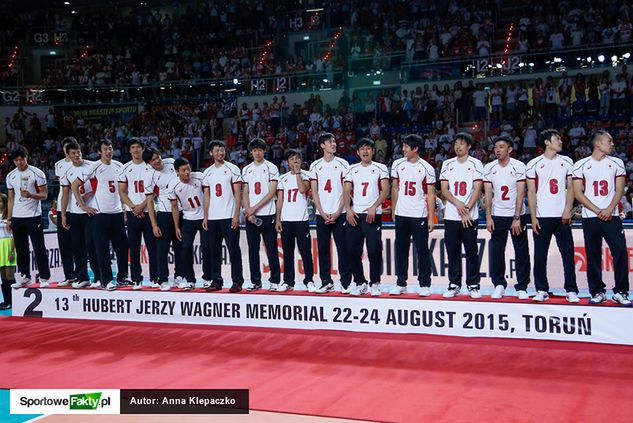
point(547, 135)
point(67, 141)
point(464, 136)
point(216, 143)
point(180, 162)
point(134, 141)
point(257, 143)
point(19, 152)
point(324, 137)
point(148, 154)
point(413, 141)
point(506, 139)
point(596, 135)
point(291, 153)
point(365, 141)
point(71, 144)
point(104, 141)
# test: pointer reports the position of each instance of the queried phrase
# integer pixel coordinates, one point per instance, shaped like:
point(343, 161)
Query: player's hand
point(65, 224)
point(371, 215)
point(567, 217)
point(490, 224)
point(516, 227)
point(251, 218)
point(205, 224)
point(248, 212)
point(467, 221)
point(26, 194)
point(89, 210)
point(157, 232)
point(351, 218)
point(461, 208)
point(430, 224)
point(179, 234)
point(536, 227)
point(8, 222)
point(278, 226)
point(138, 210)
point(605, 214)
point(235, 222)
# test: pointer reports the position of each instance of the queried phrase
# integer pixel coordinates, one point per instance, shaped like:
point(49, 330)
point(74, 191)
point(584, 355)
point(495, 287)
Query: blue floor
point(5, 417)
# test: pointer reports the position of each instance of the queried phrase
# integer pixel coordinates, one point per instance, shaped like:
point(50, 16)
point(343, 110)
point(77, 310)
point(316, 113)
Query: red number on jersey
point(409, 188)
point(504, 192)
point(218, 190)
point(139, 186)
point(194, 202)
point(365, 186)
point(258, 188)
point(600, 188)
point(553, 186)
point(328, 186)
point(460, 188)
point(112, 186)
point(292, 195)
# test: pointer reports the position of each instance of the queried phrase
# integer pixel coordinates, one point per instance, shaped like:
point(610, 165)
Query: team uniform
point(189, 196)
point(258, 178)
point(63, 234)
point(108, 224)
point(550, 180)
point(599, 179)
point(365, 182)
point(136, 176)
point(26, 222)
point(160, 184)
point(504, 181)
point(81, 227)
point(329, 177)
point(461, 178)
point(219, 180)
point(412, 217)
point(295, 227)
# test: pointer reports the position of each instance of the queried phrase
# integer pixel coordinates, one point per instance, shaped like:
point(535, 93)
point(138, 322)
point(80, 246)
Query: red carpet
point(362, 376)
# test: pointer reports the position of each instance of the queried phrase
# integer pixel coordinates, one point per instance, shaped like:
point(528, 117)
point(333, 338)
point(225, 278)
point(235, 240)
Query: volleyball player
point(63, 236)
point(461, 180)
point(260, 189)
point(366, 187)
point(599, 186)
point(413, 205)
point(292, 222)
point(326, 180)
point(222, 184)
point(550, 199)
point(504, 186)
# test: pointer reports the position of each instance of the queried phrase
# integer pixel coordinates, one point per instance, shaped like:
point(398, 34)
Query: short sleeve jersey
point(365, 182)
point(31, 180)
point(550, 180)
point(257, 177)
point(295, 204)
point(504, 180)
point(461, 178)
point(413, 180)
point(599, 180)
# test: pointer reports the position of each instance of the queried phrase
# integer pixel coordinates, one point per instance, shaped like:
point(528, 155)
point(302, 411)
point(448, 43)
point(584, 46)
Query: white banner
point(439, 260)
point(64, 401)
point(601, 324)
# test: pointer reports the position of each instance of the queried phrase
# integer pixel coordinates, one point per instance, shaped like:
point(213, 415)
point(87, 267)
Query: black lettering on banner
point(30, 310)
point(367, 316)
point(62, 304)
point(342, 315)
point(567, 325)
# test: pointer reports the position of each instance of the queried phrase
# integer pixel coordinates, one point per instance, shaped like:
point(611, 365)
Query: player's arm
point(246, 201)
point(477, 185)
point(175, 215)
point(139, 209)
point(607, 214)
point(569, 201)
point(280, 202)
point(304, 185)
point(490, 224)
point(65, 197)
point(151, 211)
point(531, 193)
point(125, 198)
point(395, 190)
point(237, 201)
point(430, 198)
point(206, 202)
point(579, 192)
point(384, 191)
point(448, 196)
point(41, 194)
point(75, 186)
point(516, 223)
point(272, 191)
point(314, 184)
point(347, 201)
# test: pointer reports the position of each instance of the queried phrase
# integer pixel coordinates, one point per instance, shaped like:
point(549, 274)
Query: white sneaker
point(178, 280)
point(273, 287)
point(312, 287)
point(523, 295)
point(165, 286)
point(111, 286)
point(425, 291)
point(621, 298)
point(95, 285)
point(185, 285)
point(284, 287)
point(452, 291)
point(65, 283)
point(82, 284)
point(30, 283)
point(599, 298)
point(206, 284)
point(155, 285)
point(498, 292)
point(398, 290)
point(44, 283)
point(375, 290)
point(541, 296)
point(359, 290)
point(572, 297)
point(328, 287)
point(137, 286)
point(347, 290)
point(474, 293)
point(18, 284)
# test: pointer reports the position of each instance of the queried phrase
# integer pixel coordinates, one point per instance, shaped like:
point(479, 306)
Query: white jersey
point(504, 180)
point(160, 184)
point(85, 189)
point(413, 180)
point(599, 180)
point(461, 178)
point(135, 176)
point(189, 196)
point(295, 205)
point(550, 179)
point(220, 181)
point(258, 177)
point(330, 179)
point(105, 185)
point(31, 180)
point(61, 167)
point(365, 181)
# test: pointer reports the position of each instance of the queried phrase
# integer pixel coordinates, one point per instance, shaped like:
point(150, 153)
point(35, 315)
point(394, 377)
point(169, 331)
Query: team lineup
point(164, 203)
